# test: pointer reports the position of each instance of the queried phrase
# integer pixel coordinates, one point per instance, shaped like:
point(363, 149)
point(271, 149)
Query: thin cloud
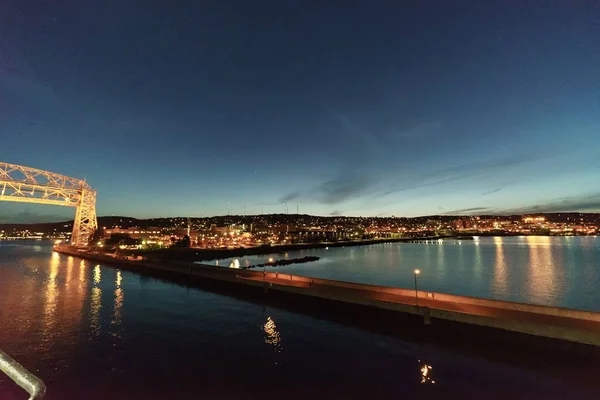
point(342, 189)
point(583, 203)
point(359, 150)
point(357, 182)
point(365, 168)
point(490, 192)
point(469, 211)
point(358, 175)
point(289, 197)
point(459, 172)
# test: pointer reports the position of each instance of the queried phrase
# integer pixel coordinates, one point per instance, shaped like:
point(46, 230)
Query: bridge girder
point(29, 185)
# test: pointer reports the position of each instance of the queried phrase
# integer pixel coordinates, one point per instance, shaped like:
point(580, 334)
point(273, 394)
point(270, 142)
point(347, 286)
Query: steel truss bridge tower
point(30, 185)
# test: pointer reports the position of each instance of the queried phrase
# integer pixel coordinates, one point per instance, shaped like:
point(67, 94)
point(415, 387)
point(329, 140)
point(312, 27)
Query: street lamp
point(417, 272)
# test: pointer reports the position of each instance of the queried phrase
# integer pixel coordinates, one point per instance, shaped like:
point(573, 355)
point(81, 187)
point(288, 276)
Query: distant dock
point(442, 314)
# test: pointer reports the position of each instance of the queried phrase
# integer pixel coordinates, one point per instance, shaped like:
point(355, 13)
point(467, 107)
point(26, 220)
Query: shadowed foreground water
point(552, 271)
point(94, 332)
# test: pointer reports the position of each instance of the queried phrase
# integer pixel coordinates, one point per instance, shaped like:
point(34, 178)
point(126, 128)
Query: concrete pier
point(434, 310)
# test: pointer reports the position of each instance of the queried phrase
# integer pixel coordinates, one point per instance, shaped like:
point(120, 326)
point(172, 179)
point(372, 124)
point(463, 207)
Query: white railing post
point(22, 377)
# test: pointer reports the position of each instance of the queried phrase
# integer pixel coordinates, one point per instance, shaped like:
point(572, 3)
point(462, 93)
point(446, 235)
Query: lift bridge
point(30, 185)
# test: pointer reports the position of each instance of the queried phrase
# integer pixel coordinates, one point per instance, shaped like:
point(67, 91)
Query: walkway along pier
point(445, 315)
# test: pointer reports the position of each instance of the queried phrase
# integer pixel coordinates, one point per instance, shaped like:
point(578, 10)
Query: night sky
point(363, 108)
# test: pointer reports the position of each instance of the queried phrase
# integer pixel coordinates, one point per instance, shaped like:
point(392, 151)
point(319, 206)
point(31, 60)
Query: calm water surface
point(94, 332)
point(555, 271)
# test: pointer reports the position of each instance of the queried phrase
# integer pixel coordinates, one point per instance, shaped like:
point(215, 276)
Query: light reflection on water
point(95, 307)
point(97, 332)
point(271, 335)
point(478, 259)
point(52, 292)
point(426, 373)
point(118, 306)
point(556, 271)
point(273, 339)
point(542, 271)
point(500, 284)
point(81, 285)
point(96, 301)
point(97, 274)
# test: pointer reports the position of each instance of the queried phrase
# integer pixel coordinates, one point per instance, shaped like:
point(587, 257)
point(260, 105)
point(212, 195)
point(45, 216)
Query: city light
point(237, 232)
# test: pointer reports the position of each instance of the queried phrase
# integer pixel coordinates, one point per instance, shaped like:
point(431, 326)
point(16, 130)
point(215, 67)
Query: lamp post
point(270, 262)
point(417, 272)
point(265, 277)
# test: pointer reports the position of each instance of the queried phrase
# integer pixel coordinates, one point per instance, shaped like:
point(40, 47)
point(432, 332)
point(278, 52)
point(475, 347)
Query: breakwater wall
point(467, 300)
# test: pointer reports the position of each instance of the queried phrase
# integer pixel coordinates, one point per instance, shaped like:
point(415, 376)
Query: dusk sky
point(361, 108)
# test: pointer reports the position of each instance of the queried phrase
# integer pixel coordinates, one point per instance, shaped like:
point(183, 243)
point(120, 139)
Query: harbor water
point(90, 331)
point(552, 271)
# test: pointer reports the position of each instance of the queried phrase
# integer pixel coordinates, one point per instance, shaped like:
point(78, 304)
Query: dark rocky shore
point(281, 263)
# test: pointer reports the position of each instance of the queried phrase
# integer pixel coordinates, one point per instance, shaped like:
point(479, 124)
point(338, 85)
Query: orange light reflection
point(500, 270)
point(541, 277)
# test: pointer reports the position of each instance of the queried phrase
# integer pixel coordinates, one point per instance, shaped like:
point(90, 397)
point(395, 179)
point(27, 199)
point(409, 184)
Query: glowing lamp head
point(417, 271)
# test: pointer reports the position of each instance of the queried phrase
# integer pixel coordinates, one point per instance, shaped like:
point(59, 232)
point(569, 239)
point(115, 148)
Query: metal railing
point(22, 377)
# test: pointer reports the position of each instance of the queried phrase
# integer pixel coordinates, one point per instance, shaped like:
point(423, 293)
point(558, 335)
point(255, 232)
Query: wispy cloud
point(470, 211)
point(475, 169)
point(367, 172)
point(583, 203)
point(289, 197)
point(360, 182)
point(490, 192)
point(359, 173)
point(342, 189)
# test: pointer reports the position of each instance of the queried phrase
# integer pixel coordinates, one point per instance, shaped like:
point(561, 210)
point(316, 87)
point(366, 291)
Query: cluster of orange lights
point(425, 370)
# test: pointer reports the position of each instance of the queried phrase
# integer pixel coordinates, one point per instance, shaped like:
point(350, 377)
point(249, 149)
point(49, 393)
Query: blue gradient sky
point(355, 107)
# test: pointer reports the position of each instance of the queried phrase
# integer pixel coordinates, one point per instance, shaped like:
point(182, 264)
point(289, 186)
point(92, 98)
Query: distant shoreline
point(195, 254)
